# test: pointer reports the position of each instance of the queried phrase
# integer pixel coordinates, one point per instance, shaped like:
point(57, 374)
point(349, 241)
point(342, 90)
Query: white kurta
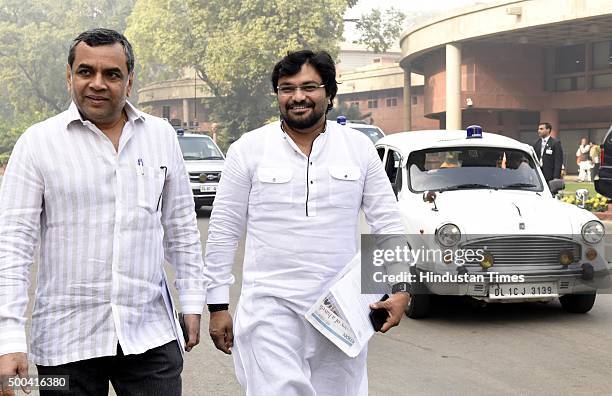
point(301, 217)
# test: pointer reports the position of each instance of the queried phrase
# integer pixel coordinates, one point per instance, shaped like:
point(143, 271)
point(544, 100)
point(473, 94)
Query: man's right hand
point(220, 329)
point(12, 364)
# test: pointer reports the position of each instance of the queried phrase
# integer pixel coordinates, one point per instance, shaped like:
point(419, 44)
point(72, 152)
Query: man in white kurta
point(299, 201)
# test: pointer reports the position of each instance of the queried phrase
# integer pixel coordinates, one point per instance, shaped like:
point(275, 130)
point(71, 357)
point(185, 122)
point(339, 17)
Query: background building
point(183, 102)
point(511, 64)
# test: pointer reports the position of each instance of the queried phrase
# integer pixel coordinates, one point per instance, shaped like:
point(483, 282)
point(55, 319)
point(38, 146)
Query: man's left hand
point(395, 305)
point(192, 327)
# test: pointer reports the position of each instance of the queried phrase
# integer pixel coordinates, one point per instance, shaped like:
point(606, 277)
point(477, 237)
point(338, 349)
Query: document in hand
point(341, 314)
point(172, 314)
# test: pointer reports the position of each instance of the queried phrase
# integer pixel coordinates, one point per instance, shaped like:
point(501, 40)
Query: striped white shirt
point(106, 220)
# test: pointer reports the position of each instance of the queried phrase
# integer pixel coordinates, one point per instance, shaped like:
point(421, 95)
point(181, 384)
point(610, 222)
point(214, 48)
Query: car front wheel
point(419, 306)
point(577, 303)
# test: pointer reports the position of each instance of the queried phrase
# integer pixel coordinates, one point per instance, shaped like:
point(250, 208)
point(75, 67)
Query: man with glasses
point(296, 186)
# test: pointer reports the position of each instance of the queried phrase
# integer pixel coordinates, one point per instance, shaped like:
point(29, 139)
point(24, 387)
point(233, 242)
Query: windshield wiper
point(518, 185)
point(467, 186)
point(212, 158)
point(191, 157)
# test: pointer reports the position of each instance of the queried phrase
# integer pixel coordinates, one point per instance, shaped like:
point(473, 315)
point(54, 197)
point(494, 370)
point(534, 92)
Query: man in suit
point(549, 152)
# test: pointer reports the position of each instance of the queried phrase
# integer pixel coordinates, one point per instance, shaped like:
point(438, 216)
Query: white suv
point(204, 161)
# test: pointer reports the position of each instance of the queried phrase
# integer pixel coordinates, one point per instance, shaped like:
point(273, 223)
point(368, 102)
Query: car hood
point(497, 212)
point(204, 166)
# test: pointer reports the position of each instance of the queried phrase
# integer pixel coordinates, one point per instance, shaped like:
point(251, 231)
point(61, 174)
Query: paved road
point(501, 349)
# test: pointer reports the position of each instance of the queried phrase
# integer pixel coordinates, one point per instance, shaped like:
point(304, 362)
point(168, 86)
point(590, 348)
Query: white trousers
point(584, 173)
point(277, 352)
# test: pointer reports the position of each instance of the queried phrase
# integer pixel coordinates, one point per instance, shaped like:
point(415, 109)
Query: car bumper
point(479, 284)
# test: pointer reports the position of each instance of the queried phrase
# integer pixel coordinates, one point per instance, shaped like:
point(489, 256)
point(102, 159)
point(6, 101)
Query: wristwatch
point(217, 307)
point(404, 287)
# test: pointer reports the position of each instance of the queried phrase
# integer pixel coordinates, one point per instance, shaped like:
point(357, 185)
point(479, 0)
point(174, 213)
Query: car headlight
point(593, 232)
point(448, 235)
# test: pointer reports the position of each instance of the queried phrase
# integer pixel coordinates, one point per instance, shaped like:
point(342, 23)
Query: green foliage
point(350, 112)
point(233, 46)
point(34, 41)
point(379, 30)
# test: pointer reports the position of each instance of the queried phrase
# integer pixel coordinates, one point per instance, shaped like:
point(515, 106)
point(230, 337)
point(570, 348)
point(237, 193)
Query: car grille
point(526, 252)
point(204, 177)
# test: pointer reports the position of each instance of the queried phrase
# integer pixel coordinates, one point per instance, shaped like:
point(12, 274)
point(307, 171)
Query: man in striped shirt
point(104, 189)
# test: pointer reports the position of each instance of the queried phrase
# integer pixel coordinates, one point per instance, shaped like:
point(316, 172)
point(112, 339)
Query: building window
point(166, 112)
point(391, 102)
point(569, 59)
point(354, 104)
point(372, 104)
point(569, 84)
point(602, 55)
point(602, 81)
point(415, 100)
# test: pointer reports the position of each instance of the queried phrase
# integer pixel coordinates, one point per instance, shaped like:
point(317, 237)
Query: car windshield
point(458, 168)
point(198, 148)
point(373, 133)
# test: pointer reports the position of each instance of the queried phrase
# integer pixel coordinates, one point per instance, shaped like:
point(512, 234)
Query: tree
point(351, 112)
point(379, 30)
point(233, 45)
point(34, 41)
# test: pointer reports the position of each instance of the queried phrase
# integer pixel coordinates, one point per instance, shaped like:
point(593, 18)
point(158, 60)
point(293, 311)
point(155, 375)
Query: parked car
point(603, 179)
point(460, 191)
point(204, 162)
point(371, 131)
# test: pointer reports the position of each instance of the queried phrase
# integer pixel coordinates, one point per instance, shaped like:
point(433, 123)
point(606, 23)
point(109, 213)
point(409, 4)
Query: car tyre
point(419, 306)
point(577, 303)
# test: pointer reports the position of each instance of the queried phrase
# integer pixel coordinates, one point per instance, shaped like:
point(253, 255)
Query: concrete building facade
point(512, 64)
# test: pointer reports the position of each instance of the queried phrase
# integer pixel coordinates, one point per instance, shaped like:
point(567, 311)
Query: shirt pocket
point(345, 187)
point(275, 189)
point(149, 187)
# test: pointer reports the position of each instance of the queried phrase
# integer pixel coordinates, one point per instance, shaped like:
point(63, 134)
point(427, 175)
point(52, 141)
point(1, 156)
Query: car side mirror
point(556, 185)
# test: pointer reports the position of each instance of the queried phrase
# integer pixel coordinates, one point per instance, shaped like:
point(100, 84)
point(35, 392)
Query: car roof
point(420, 140)
point(194, 135)
point(358, 125)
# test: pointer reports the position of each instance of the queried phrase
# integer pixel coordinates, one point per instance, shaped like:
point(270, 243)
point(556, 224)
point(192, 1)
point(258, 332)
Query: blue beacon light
point(341, 120)
point(474, 132)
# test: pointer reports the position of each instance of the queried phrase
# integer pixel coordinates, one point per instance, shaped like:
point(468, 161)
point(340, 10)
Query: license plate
point(523, 290)
point(208, 188)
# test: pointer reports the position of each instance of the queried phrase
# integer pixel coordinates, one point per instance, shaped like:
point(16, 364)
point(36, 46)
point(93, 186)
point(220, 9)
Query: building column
point(453, 86)
point(185, 112)
point(407, 98)
point(551, 116)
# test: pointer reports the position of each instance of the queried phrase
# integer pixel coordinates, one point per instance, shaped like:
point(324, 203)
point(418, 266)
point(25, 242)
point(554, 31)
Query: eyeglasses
point(287, 90)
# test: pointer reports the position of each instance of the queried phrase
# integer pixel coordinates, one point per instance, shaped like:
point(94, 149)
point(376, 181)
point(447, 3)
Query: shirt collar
point(133, 114)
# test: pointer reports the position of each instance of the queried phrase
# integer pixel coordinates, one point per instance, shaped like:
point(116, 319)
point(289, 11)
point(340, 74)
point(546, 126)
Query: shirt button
point(274, 179)
point(310, 162)
point(311, 182)
point(345, 176)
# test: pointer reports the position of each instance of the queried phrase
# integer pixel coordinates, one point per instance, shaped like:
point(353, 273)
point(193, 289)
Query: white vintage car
point(481, 200)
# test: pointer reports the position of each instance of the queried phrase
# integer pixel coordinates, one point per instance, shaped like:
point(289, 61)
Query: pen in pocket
point(141, 166)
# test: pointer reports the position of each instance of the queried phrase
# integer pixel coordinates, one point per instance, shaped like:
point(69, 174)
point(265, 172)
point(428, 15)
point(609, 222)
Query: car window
point(393, 165)
point(381, 152)
point(198, 148)
point(373, 133)
point(472, 167)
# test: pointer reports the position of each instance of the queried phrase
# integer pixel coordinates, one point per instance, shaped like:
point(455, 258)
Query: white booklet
point(172, 313)
point(341, 314)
